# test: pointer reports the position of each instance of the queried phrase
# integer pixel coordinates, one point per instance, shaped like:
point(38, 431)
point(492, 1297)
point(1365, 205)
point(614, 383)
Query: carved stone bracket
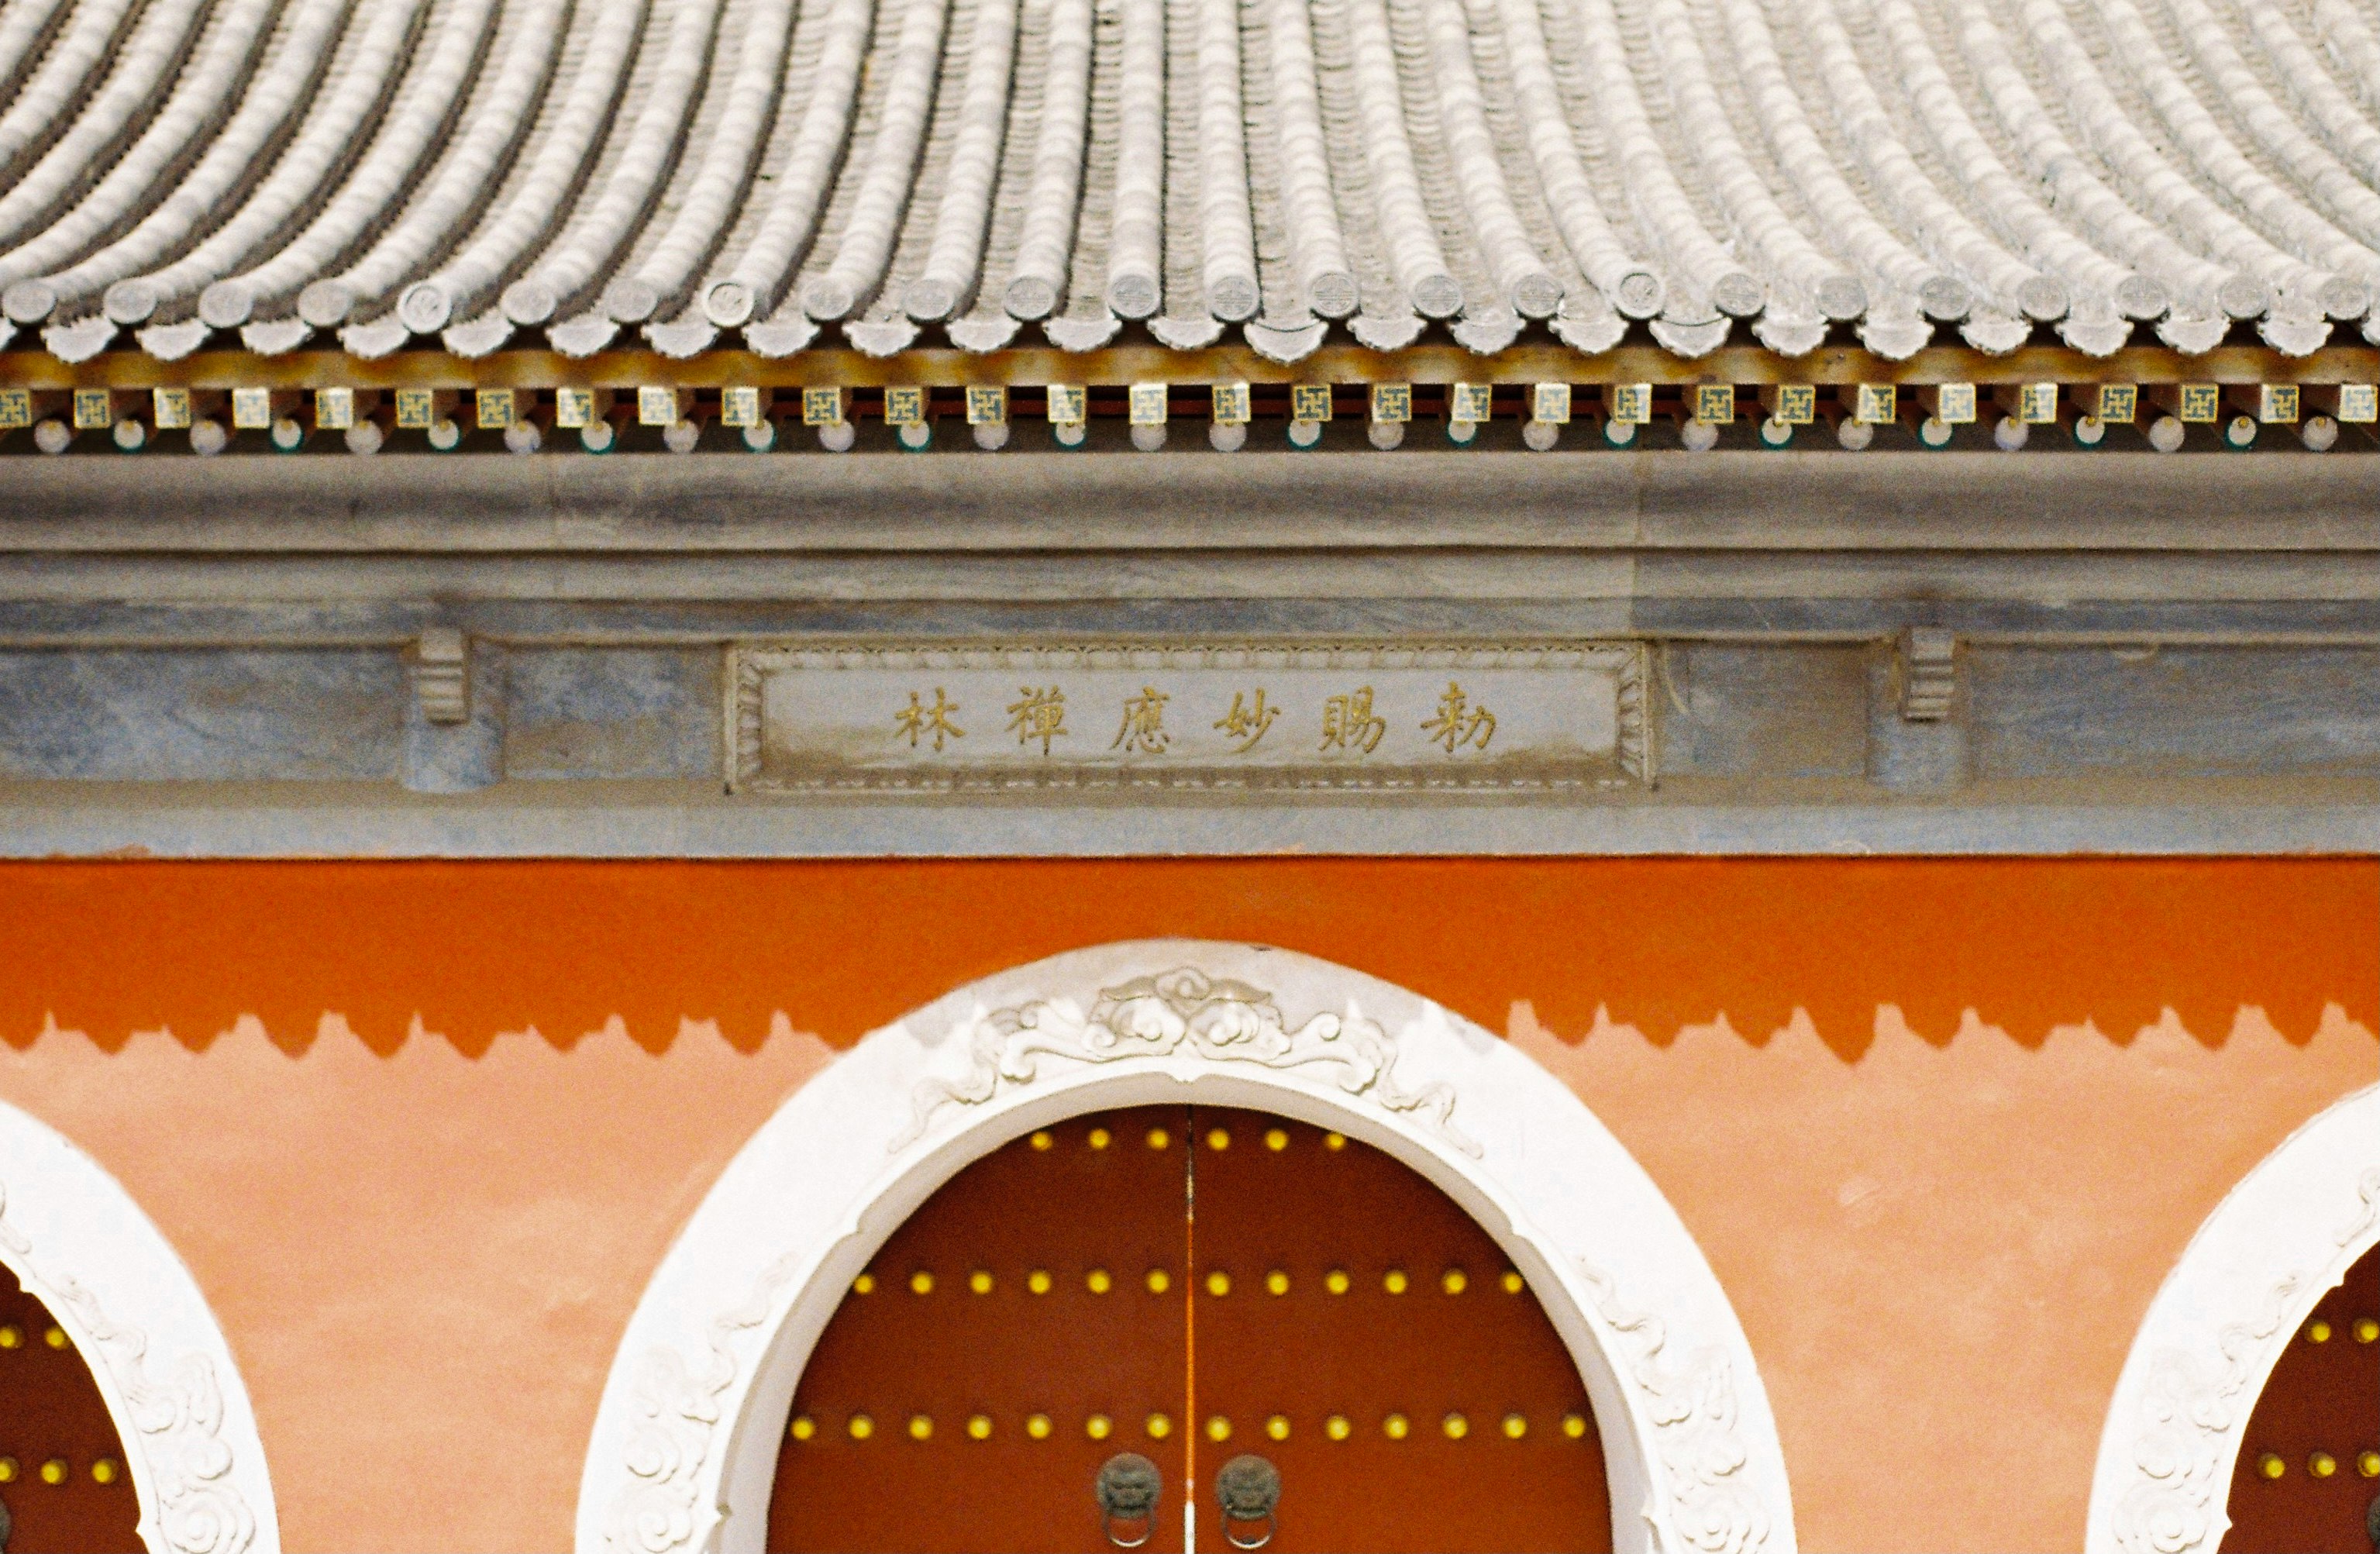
point(1929, 673)
point(1182, 1012)
point(442, 674)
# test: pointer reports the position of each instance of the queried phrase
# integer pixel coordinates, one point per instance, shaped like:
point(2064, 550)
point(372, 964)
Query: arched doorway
point(689, 1441)
point(114, 1375)
point(2227, 1380)
point(62, 1477)
point(1190, 1284)
point(2308, 1479)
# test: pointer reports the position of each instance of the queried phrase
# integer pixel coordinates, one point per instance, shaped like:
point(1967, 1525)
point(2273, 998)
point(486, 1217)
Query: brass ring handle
point(1128, 1487)
point(1248, 1490)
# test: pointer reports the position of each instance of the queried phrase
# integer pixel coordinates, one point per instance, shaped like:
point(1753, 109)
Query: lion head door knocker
point(1127, 1488)
point(1249, 1490)
point(2372, 1523)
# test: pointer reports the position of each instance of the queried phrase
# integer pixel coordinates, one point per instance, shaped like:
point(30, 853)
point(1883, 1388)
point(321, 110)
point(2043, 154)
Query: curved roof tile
point(775, 174)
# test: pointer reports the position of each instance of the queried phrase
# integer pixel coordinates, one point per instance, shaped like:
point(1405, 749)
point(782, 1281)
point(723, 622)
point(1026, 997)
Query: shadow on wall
point(469, 951)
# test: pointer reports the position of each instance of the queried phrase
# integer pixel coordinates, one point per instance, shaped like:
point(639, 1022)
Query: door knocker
point(1249, 1489)
point(1127, 1489)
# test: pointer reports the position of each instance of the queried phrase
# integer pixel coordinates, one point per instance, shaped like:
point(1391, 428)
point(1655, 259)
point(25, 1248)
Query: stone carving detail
point(1182, 1012)
point(2196, 1403)
point(719, 1333)
point(2367, 1188)
point(745, 722)
point(2188, 1410)
point(679, 1402)
point(178, 1419)
point(830, 717)
point(1929, 673)
point(1691, 1403)
point(678, 1410)
point(442, 675)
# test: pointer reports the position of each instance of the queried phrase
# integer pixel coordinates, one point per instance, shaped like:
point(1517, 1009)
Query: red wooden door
point(1072, 1350)
point(2308, 1480)
point(1375, 1346)
point(1340, 1318)
point(61, 1465)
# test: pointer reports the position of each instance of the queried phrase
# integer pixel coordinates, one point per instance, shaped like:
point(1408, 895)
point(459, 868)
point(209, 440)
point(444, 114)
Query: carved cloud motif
point(2193, 1408)
point(1692, 1406)
point(676, 1425)
point(179, 1419)
point(1182, 1012)
point(673, 1479)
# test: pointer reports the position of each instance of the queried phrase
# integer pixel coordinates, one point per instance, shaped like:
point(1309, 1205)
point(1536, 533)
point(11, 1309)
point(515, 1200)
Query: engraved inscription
point(896, 717)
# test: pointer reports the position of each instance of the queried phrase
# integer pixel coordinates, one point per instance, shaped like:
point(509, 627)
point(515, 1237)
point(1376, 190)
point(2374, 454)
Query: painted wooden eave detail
point(1122, 365)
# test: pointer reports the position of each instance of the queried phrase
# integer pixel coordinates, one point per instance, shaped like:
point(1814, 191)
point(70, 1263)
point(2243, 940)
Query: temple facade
point(1411, 775)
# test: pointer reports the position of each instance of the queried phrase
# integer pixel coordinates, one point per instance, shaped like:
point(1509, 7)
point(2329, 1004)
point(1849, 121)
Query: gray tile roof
point(775, 174)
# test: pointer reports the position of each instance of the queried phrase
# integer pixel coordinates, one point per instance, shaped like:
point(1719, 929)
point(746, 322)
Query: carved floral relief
point(1688, 1393)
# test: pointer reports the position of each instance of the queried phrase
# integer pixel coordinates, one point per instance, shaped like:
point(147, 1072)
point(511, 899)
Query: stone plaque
point(893, 717)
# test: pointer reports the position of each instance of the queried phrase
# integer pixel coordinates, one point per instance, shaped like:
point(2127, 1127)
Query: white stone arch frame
point(76, 1240)
point(685, 1446)
point(2278, 1243)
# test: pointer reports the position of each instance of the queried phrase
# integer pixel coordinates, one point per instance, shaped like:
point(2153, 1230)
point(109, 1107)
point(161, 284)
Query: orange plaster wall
point(1940, 1254)
point(1940, 1240)
point(423, 1261)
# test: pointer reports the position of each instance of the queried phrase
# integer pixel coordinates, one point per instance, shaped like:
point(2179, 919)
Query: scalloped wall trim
point(2248, 1023)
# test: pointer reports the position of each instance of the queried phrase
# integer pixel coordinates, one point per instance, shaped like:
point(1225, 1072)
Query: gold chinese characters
point(1144, 723)
point(918, 720)
point(1353, 725)
point(1348, 723)
point(1038, 714)
point(1458, 723)
point(1246, 723)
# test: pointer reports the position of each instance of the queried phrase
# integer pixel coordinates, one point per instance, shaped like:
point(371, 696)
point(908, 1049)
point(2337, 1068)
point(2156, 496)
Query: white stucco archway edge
point(684, 1446)
point(2278, 1243)
point(76, 1241)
